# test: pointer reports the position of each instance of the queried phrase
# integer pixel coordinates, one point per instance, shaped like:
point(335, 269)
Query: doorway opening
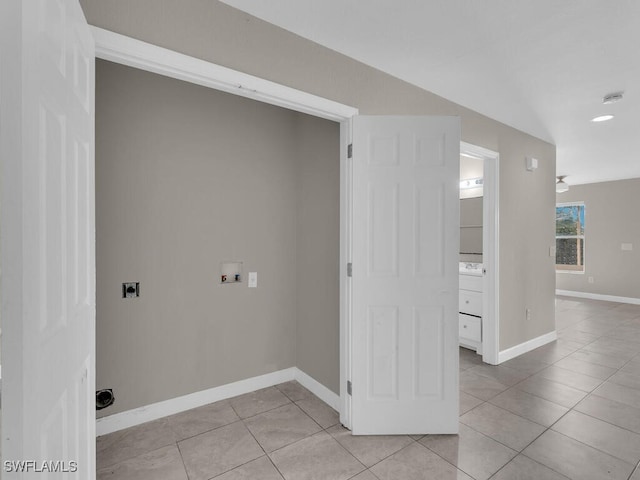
point(479, 259)
point(129, 52)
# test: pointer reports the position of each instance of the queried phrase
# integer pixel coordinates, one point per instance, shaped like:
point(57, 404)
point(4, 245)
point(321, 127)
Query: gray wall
point(318, 250)
point(187, 177)
point(220, 34)
point(611, 218)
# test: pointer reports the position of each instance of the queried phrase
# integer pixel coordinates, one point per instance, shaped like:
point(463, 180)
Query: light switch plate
point(253, 280)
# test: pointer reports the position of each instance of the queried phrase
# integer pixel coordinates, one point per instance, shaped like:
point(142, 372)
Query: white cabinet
point(470, 308)
point(470, 302)
point(470, 329)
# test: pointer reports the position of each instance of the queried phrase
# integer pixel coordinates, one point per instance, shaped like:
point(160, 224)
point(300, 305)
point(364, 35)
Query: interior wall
point(188, 177)
point(611, 219)
point(218, 33)
point(318, 250)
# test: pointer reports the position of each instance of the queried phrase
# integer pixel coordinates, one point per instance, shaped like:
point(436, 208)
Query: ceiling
point(540, 66)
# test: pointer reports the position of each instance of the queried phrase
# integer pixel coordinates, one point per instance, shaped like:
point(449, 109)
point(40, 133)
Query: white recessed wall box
point(532, 163)
point(230, 272)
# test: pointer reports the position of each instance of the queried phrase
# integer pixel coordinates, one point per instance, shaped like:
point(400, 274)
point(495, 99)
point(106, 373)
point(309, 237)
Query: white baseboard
point(130, 418)
point(527, 346)
point(323, 393)
point(599, 296)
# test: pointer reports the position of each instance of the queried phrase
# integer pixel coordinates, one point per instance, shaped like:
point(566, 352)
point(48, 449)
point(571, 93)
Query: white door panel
point(405, 275)
point(49, 288)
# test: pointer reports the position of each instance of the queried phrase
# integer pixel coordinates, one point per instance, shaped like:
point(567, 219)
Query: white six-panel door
point(405, 275)
point(48, 253)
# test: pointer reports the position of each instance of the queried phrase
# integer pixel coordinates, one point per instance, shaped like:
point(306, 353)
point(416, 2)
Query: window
point(570, 237)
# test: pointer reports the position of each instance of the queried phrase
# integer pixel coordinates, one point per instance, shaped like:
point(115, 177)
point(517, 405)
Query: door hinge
point(350, 150)
point(349, 387)
point(349, 269)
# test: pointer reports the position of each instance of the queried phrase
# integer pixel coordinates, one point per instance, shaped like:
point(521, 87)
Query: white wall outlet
point(528, 313)
point(253, 280)
point(590, 280)
point(552, 251)
point(627, 247)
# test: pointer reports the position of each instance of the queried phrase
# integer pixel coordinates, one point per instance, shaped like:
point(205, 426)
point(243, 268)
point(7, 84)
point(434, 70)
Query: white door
point(404, 373)
point(48, 225)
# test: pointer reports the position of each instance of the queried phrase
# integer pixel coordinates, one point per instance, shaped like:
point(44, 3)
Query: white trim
point(527, 346)
point(491, 248)
point(323, 393)
point(599, 296)
point(145, 56)
point(131, 418)
point(346, 250)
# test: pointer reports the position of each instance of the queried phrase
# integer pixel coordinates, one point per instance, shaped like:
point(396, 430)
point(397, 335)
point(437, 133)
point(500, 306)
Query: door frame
point(490, 249)
point(128, 51)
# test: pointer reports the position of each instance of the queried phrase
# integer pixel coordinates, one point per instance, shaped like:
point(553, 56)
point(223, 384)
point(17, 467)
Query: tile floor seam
point(539, 396)
point(450, 463)
point(502, 443)
point(586, 374)
point(275, 466)
point(513, 459)
point(237, 466)
point(595, 448)
point(285, 393)
point(207, 431)
point(548, 466)
point(484, 435)
point(265, 411)
point(585, 391)
point(351, 454)
point(254, 437)
point(131, 458)
point(313, 419)
point(597, 418)
point(390, 455)
point(186, 472)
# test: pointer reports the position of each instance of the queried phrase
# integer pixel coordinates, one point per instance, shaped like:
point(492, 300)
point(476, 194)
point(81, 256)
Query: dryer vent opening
point(104, 398)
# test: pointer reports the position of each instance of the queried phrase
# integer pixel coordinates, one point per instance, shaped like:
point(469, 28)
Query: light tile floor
point(570, 409)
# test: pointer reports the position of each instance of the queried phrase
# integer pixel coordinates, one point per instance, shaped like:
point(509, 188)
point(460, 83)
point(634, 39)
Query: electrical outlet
point(253, 280)
point(552, 251)
point(528, 313)
point(590, 280)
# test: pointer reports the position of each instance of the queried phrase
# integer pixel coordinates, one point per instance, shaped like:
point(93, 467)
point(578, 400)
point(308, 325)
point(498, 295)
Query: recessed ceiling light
point(612, 98)
point(602, 118)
